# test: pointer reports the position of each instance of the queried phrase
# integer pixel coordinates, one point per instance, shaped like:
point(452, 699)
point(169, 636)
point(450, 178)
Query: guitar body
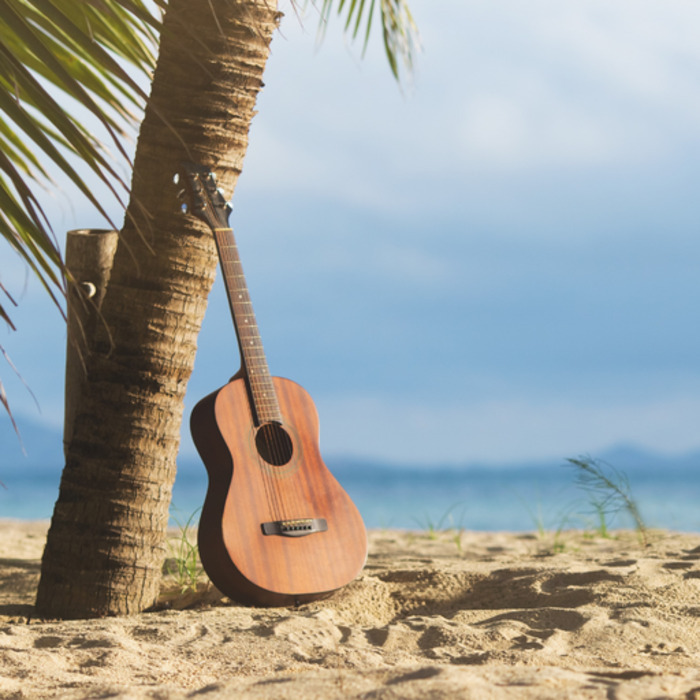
point(276, 527)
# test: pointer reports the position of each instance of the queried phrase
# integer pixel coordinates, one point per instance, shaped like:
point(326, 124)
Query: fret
point(263, 401)
point(266, 402)
point(271, 418)
point(259, 371)
point(269, 404)
point(262, 382)
point(262, 389)
point(261, 378)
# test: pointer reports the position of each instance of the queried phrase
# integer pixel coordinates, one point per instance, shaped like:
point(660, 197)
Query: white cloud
point(533, 127)
point(578, 84)
point(644, 48)
point(500, 86)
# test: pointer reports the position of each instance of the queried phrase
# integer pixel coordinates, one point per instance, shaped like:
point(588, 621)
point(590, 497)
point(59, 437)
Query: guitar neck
point(262, 390)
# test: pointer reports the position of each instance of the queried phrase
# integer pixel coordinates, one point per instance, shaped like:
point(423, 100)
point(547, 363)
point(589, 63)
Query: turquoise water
point(515, 499)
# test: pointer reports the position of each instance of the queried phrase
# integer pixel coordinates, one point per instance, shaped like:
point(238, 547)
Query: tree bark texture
point(106, 544)
point(89, 256)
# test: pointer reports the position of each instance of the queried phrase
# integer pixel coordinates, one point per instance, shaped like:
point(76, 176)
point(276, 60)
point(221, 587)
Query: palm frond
point(61, 59)
point(399, 30)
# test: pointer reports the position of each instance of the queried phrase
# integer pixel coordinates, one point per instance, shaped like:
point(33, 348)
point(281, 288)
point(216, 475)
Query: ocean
point(517, 498)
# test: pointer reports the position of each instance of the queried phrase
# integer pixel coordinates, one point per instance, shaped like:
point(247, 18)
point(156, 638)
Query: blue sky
point(496, 262)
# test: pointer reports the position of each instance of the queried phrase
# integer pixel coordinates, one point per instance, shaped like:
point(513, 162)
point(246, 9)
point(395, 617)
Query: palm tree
point(106, 543)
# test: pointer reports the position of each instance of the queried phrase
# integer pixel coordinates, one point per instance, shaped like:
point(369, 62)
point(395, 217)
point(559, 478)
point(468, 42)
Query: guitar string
point(268, 414)
point(259, 388)
point(281, 452)
point(261, 385)
point(271, 437)
point(295, 499)
point(271, 493)
point(221, 233)
point(276, 444)
point(276, 441)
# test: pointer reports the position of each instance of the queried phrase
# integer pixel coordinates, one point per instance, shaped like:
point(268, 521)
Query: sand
point(470, 615)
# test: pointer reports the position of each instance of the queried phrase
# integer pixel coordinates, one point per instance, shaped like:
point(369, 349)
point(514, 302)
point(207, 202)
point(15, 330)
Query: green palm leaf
point(50, 49)
point(399, 30)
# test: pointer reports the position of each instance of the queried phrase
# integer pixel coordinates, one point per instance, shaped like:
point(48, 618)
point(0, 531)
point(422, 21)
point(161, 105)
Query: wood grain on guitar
point(276, 527)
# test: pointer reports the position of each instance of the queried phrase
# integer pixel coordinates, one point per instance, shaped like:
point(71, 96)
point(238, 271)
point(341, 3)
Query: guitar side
point(248, 497)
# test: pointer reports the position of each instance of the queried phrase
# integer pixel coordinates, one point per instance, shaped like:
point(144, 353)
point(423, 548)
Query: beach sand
point(476, 615)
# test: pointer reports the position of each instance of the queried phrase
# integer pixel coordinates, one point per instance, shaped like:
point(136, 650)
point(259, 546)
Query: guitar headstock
point(201, 196)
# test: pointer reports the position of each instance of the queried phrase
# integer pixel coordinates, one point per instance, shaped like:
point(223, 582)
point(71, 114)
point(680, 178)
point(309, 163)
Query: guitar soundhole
point(274, 444)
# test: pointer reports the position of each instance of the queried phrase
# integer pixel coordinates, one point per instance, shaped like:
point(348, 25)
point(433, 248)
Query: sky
point(495, 261)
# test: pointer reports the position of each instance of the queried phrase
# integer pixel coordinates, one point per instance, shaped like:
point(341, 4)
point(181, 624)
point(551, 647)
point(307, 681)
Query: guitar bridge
point(295, 528)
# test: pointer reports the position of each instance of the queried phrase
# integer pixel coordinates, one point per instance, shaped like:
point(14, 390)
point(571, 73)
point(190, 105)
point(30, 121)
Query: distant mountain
point(625, 458)
point(630, 458)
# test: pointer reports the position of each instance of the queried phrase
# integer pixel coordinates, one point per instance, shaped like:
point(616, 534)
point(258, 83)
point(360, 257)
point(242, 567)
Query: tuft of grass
point(609, 492)
point(445, 523)
point(457, 539)
point(183, 563)
point(538, 519)
point(563, 520)
point(601, 528)
point(558, 543)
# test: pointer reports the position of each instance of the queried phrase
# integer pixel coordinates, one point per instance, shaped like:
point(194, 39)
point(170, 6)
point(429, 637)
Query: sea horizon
point(528, 496)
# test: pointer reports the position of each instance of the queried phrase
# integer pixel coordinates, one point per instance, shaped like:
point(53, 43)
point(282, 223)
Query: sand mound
point(481, 615)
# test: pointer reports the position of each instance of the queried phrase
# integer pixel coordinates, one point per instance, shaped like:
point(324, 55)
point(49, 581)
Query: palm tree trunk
point(105, 547)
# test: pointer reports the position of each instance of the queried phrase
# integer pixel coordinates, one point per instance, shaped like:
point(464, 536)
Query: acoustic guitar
point(276, 527)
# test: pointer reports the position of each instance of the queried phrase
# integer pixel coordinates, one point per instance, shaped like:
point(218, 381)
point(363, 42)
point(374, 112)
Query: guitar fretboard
point(265, 405)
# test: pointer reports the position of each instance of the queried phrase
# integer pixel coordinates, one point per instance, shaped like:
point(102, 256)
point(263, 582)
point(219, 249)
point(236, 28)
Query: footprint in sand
point(620, 563)
point(543, 619)
point(310, 636)
point(678, 565)
point(692, 554)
